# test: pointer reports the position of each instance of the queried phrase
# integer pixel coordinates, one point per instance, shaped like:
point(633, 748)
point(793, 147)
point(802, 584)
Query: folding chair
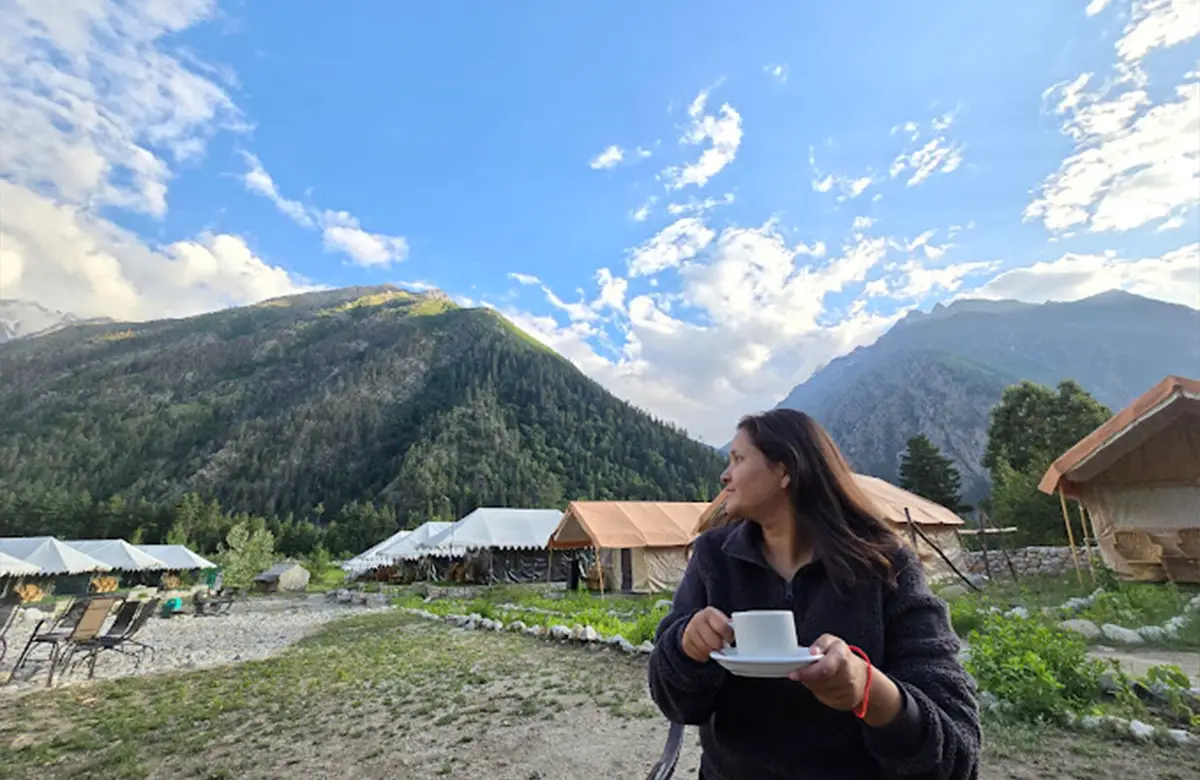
point(132, 616)
point(90, 622)
point(8, 615)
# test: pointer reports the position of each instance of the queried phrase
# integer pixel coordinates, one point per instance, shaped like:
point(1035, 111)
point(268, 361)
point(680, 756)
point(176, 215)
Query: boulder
point(1180, 737)
point(1153, 633)
point(1084, 627)
point(590, 634)
point(1141, 730)
point(516, 626)
point(646, 648)
point(560, 632)
point(1017, 612)
point(662, 604)
point(1125, 636)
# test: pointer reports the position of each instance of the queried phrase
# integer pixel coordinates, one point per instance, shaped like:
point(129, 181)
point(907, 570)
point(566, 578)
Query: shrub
point(1043, 672)
point(966, 616)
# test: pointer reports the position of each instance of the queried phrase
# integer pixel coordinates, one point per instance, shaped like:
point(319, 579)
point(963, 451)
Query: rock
point(1175, 625)
point(1193, 605)
point(1141, 730)
point(662, 604)
point(952, 592)
point(1180, 737)
point(626, 646)
point(577, 633)
point(615, 639)
point(1125, 636)
point(1084, 627)
point(33, 615)
point(1017, 612)
point(988, 701)
point(646, 648)
point(590, 634)
point(516, 626)
point(560, 632)
point(1153, 633)
point(1089, 722)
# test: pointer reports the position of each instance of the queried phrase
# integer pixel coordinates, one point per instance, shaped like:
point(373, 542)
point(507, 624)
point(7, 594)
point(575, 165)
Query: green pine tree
point(924, 470)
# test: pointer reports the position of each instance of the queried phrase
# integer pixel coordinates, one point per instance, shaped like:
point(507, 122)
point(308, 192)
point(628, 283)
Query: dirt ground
point(394, 697)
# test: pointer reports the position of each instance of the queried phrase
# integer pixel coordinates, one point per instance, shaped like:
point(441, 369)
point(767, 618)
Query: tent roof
point(176, 556)
point(627, 524)
point(407, 547)
point(12, 566)
point(51, 556)
point(491, 527)
point(275, 571)
point(369, 558)
point(888, 498)
point(1117, 436)
point(118, 554)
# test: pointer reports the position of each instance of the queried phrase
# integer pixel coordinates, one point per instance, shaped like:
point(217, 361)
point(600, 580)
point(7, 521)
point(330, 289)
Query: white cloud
point(66, 255)
point(95, 109)
point(524, 279)
point(937, 156)
point(258, 181)
point(760, 329)
point(779, 72)
point(862, 223)
point(341, 232)
point(723, 131)
point(694, 206)
point(1135, 160)
point(1158, 24)
point(643, 211)
point(1174, 277)
point(674, 244)
point(607, 159)
point(1096, 6)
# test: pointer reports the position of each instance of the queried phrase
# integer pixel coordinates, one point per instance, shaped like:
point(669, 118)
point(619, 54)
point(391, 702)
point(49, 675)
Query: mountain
point(940, 373)
point(327, 398)
point(19, 319)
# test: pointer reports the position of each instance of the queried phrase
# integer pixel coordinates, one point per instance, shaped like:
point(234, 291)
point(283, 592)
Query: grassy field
point(389, 696)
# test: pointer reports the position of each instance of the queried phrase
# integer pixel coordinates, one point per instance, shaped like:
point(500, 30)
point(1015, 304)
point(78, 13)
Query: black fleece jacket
point(775, 729)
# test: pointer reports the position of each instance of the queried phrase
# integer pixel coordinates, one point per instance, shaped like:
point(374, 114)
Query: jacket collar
point(745, 542)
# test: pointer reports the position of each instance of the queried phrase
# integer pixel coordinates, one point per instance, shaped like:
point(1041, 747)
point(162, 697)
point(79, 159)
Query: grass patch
point(634, 617)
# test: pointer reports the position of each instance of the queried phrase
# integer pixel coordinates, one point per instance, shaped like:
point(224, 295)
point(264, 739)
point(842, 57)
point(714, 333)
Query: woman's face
point(752, 483)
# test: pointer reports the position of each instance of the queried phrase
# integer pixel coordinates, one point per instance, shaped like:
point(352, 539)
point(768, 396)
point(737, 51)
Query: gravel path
point(254, 630)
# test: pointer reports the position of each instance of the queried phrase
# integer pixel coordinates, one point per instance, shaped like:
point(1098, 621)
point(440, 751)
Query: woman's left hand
point(839, 679)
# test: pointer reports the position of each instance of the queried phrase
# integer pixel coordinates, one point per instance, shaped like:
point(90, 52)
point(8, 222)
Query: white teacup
point(765, 633)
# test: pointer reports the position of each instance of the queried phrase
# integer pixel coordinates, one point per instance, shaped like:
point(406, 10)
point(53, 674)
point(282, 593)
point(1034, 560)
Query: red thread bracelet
point(860, 711)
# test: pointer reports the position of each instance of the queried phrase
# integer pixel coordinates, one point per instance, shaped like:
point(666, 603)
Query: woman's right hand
point(708, 630)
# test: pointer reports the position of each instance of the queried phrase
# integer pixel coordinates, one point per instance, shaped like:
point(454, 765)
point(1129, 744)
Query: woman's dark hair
point(851, 534)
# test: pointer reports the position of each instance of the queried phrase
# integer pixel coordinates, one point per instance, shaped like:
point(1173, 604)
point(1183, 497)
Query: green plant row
point(637, 627)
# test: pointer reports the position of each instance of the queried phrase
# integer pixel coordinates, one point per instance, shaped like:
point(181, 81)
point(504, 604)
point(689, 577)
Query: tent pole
point(1062, 499)
point(600, 570)
point(549, 564)
point(1087, 543)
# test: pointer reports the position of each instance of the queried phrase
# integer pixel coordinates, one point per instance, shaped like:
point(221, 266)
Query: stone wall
point(1050, 561)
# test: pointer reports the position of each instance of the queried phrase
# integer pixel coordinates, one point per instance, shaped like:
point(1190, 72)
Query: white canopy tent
point(51, 556)
point(11, 566)
point(118, 554)
point(370, 558)
point(408, 547)
point(495, 528)
point(176, 557)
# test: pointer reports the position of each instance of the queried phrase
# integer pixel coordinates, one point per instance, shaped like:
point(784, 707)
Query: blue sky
point(697, 203)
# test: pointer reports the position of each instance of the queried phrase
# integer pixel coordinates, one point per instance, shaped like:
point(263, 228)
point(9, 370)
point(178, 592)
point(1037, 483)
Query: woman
point(812, 543)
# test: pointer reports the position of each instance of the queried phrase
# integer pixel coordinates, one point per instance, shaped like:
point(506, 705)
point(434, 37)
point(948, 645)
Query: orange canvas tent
point(1138, 475)
point(641, 545)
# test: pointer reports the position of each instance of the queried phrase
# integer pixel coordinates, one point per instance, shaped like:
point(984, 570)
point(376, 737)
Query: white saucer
point(770, 666)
